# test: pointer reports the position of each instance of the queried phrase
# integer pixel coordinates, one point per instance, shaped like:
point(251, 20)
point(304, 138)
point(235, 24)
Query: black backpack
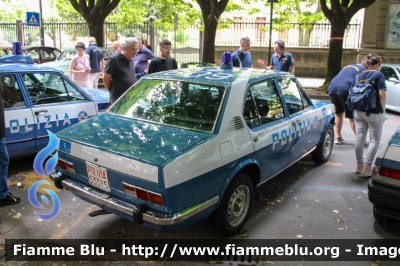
point(363, 95)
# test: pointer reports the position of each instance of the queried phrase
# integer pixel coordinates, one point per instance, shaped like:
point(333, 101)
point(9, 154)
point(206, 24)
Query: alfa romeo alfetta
point(184, 145)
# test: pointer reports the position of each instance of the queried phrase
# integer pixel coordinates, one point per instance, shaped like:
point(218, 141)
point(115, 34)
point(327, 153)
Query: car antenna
point(240, 61)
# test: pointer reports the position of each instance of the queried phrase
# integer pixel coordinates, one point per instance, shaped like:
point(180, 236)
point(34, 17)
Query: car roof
point(217, 76)
point(391, 65)
point(26, 67)
point(72, 49)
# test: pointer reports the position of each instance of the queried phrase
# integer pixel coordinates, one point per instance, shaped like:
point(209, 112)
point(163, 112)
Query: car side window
point(12, 96)
point(268, 102)
point(45, 88)
point(293, 95)
point(249, 111)
point(47, 55)
point(34, 54)
point(388, 72)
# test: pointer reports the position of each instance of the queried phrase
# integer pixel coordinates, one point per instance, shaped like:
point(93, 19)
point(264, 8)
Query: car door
point(20, 138)
point(268, 126)
point(393, 87)
point(56, 104)
point(303, 118)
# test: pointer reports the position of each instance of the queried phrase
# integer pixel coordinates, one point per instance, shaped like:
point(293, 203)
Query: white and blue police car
point(384, 186)
point(38, 98)
point(189, 144)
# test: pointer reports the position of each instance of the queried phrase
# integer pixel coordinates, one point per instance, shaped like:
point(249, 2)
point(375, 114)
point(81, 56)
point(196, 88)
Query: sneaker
point(366, 144)
point(359, 168)
point(9, 200)
point(339, 141)
point(366, 171)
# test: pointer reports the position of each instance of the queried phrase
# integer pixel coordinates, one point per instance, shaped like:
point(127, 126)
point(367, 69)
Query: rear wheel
point(233, 210)
point(380, 218)
point(323, 151)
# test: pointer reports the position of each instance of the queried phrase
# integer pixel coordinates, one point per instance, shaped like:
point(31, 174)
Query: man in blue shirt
point(280, 60)
point(242, 57)
point(96, 62)
point(141, 60)
point(339, 92)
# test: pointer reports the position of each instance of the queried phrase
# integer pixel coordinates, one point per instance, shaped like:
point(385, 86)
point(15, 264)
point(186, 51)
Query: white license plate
point(98, 177)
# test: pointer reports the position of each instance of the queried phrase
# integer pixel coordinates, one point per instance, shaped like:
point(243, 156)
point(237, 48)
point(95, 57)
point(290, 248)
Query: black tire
point(380, 218)
point(234, 208)
point(324, 149)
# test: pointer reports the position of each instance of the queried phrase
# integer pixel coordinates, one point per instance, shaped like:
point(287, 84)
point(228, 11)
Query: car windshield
point(180, 104)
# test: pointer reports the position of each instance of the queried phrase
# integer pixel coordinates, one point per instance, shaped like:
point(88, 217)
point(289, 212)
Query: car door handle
point(40, 112)
point(295, 122)
point(257, 138)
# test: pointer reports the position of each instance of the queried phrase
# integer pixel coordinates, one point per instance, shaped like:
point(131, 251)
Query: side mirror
point(394, 80)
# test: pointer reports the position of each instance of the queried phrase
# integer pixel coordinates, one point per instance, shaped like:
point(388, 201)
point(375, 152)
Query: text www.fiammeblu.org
point(284, 250)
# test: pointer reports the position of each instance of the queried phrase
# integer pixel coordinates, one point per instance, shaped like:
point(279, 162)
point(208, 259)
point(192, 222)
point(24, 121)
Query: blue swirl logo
point(32, 198)
point(49, 167)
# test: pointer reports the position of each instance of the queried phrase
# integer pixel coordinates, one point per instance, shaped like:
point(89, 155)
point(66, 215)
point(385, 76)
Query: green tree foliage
point(304, 12)
point(339, 14)
point(93, 12)
point(12, 10)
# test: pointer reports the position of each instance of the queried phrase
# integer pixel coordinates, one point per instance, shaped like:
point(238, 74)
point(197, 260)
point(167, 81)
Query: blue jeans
point(4, 161)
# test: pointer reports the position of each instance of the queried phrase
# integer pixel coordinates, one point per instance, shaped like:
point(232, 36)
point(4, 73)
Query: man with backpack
point(339, 92)
point(367, 97)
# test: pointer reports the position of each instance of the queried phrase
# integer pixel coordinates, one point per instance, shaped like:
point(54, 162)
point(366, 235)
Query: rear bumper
point(139, 213)
point(386, 199)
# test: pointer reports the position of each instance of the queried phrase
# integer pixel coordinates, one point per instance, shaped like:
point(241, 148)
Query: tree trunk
point(334, 64)
point(210, 30)
point(96, 29)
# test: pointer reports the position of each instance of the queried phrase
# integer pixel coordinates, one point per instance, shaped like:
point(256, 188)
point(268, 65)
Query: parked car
point(183, 145)
point(392, 77)
point(63, 61)
point(38, 98)
point(384, 186)
point(40, 54)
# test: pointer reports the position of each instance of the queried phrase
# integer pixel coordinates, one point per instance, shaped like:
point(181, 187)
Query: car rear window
point(180, 104)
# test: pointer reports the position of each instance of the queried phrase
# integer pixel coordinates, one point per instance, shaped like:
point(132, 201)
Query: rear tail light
point(143, 194)
point(395, 174)
point(67, 166)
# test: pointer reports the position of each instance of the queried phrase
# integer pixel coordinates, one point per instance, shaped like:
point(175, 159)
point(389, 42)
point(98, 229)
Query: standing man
point(119, 74)
point(242, 57)
point(164, 61)
point(6, 198)
point(115, 46)
point(280, 60)
point(339, 92)
point(142, 58)
point(96, 62)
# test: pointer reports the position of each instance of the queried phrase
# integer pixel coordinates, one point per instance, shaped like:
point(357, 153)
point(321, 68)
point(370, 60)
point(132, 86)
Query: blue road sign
point(32, 19)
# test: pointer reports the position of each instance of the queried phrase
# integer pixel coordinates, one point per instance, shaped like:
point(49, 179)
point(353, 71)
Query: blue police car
point(38, 98)
point(189, 144)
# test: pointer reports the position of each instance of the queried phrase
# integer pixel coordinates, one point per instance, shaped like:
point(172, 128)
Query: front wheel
point(323, 151)
point(233, 210)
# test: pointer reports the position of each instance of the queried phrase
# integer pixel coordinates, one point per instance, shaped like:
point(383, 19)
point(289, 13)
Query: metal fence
point(187, 40)
point(294, 34)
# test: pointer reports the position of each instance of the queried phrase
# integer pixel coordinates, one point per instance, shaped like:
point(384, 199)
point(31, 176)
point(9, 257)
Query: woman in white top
point(80, 66)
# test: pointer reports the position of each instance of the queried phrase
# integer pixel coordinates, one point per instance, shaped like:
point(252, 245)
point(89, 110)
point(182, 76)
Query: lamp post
point(152, 34)
point(41, 24)
point(270, 26)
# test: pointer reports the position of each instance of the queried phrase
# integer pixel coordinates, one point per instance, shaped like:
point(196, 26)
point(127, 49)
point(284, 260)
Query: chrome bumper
point(106, 200)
